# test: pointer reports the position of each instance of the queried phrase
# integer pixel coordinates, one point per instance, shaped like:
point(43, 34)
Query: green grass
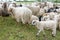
point(10, 30)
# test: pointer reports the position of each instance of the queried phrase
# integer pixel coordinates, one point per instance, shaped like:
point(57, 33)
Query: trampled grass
point(10, 30)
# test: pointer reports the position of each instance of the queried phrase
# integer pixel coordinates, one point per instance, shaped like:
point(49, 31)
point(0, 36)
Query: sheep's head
point(4, 5)
point(45, 18)
point(34, 22)
point(10, 10)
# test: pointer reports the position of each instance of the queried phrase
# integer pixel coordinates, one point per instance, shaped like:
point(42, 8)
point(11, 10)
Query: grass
point(10, 30)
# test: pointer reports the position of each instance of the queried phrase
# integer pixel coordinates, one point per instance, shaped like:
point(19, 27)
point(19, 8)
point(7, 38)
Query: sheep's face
point(34, 22)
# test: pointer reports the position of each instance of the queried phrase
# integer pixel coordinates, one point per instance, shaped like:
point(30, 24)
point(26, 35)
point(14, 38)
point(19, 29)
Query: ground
point(10, 30)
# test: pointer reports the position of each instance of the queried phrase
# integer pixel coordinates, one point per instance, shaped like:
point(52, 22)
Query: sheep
point(49, 4)
point(41, 4)
point(47, 18)
point(3, 10)
point(34, 9)
point(11, 5)
point(51, 15)
point(41, 25)
point(21, 14)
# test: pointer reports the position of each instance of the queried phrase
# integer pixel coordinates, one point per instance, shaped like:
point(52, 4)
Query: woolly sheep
point(51, 15)
point(22, 14)
point(49, 4)
point(47, 18)
point(45, 25)
point(34, 9)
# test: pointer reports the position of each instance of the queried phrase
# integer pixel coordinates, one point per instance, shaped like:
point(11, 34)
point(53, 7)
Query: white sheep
point(34, 9)
point(49, 4)
point(47, 18)
point(45, 25)
point(51, 15)
point(58, 10)
point(22, 14)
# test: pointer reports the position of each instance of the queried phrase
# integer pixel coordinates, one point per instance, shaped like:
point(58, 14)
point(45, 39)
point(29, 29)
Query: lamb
point(45, 25)
point(21, 14)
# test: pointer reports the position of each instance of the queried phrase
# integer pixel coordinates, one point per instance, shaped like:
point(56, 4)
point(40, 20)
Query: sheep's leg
point(22, 20)
point(54, 32)
point(59, 25)
point(43, 33)
point(17, 19)
point(29, 20)
point(38, 32)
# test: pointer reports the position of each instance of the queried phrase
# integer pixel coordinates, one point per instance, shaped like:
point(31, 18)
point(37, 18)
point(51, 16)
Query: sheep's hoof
point(53, 35)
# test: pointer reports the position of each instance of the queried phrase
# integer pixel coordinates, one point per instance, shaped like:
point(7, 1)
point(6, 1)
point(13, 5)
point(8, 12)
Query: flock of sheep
point(44, 15)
